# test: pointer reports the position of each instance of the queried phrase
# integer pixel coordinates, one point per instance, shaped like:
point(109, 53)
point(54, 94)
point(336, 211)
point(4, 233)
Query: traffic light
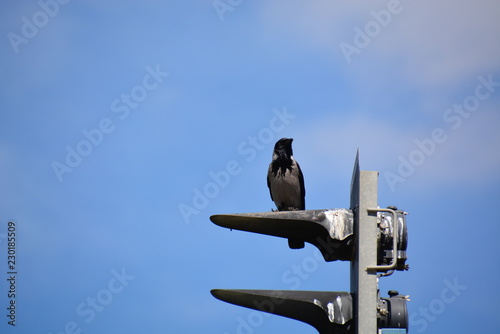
point(373, 239)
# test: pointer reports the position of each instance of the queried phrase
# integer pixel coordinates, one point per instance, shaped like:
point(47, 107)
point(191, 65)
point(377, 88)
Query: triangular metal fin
point(327, 311)
point(329, 230)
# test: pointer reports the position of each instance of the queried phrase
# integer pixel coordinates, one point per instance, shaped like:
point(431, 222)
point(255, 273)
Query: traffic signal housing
point(373, 239)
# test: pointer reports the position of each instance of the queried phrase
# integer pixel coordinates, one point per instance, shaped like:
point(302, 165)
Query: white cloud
point(422, 62)
point(336, 137)
point(447, 41)
point(471, 152)
point(429, 43)
point(468, 155)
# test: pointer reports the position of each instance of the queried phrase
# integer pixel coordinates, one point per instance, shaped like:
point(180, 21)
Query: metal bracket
point(394, 261)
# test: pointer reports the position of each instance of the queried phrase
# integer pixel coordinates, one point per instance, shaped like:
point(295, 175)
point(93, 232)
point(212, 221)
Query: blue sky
point(116, 115)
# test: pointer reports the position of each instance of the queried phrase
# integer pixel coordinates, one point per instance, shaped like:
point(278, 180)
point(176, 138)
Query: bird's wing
point(269, 182)
point(302, 189)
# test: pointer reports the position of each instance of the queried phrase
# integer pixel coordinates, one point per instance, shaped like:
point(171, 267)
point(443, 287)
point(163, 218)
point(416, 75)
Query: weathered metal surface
point(327, 311)
point(364, 283)
point(329, 230)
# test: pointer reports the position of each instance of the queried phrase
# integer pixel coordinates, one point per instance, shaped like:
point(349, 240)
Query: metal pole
point(364, 283)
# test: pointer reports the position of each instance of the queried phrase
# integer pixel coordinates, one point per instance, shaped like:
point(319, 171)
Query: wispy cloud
point(453, 39)
point(468, 155)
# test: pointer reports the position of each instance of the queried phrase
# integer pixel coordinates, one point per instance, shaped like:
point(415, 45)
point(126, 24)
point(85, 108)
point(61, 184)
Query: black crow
point(286, 182)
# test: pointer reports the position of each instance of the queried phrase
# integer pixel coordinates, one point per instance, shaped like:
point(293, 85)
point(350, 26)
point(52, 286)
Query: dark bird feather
point(286, 181)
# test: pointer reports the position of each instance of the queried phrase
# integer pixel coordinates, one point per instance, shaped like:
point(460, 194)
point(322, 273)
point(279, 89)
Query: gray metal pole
point(364, 283)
